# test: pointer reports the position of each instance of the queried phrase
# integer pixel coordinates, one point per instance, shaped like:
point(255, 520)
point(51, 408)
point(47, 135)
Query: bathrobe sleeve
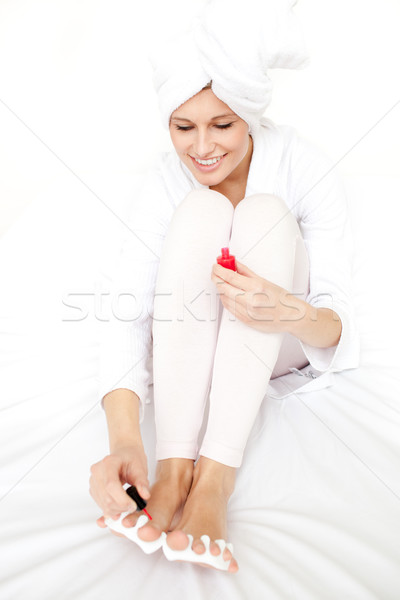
point(126, 341)
point(320, 199)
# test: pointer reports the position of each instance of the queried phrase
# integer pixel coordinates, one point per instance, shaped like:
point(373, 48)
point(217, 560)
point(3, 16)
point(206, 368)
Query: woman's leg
point(265, 237)
point(186, 320)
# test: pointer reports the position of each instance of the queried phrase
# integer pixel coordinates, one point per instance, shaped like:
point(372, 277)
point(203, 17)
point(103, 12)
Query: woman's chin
point(208, 178)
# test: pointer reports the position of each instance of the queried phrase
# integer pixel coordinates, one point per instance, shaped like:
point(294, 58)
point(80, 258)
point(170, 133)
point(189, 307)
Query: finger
point(143, 488)
point(95, 493)
point(233, 277)
point(218, 282)
point(107, 489)
point(116, 499)
point(237, 310)
point(230, 292)
point(245, 270)
point(138, 478)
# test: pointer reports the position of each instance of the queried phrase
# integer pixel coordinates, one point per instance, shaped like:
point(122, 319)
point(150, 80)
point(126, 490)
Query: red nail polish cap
point(226, 260)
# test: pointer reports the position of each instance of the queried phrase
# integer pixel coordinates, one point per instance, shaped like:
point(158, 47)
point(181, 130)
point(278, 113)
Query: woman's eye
point(225, 126)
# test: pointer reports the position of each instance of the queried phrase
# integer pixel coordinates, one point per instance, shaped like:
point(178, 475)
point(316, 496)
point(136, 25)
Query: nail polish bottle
point(140, 502)
point(226, 260)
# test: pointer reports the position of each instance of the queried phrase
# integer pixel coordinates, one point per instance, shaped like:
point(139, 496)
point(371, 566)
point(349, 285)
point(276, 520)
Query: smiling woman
point(235, 179)
point(215, 144)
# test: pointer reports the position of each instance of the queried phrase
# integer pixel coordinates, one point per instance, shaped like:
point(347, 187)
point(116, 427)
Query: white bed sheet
point(316, 509)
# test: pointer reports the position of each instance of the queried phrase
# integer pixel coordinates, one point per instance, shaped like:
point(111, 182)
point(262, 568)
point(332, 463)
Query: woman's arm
point(125, 349)
point(126, 463)
point(122, 413)
point(318, 327)
point(241, 293)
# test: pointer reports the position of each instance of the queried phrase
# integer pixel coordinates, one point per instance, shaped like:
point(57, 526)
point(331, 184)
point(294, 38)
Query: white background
point(78, 121)
point(75, 82)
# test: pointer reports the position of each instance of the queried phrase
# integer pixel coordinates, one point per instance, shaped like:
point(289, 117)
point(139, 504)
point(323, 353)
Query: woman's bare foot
point(168, 495)
point(205, 510)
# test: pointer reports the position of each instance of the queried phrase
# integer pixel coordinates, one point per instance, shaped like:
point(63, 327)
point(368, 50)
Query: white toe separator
point(131, 532)
point(188, 555)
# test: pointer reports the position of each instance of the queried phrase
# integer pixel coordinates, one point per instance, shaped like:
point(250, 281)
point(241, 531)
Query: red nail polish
point(140, 503)
point(226, 260)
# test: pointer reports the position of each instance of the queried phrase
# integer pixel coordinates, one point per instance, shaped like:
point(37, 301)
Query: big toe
point(177, 540)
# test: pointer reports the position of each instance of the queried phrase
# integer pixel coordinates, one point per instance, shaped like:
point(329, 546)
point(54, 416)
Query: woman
point(256, 196)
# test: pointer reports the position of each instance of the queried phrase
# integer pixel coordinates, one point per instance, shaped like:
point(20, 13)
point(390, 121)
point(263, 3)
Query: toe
point(198, 547)
point(233, 567)
point(149, 533)
point(177, 540)
point(100, 522)
point(227, 555)
point(130, 520)
point(214, 549)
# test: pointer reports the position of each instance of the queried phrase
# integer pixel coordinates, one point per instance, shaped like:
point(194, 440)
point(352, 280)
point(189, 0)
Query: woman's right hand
point(126, 464)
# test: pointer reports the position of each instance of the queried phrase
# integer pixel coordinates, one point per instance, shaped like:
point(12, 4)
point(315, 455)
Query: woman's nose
point(203, 145)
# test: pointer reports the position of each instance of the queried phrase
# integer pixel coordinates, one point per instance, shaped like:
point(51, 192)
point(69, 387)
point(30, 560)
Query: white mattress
point(316, 509)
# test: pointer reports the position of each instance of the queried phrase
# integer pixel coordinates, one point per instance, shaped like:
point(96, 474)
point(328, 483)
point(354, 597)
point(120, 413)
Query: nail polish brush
point(140, 503)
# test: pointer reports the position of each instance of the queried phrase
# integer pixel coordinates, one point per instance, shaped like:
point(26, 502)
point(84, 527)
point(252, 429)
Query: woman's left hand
point(257, 302)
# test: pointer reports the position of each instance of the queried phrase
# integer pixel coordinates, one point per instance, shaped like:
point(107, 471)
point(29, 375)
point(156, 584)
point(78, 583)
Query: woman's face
point(205, 128)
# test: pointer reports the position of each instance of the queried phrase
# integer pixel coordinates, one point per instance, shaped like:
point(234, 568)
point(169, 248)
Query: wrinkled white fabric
point(315, 512)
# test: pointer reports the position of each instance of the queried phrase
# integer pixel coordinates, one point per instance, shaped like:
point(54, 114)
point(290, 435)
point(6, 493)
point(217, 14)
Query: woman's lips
point(207, 168)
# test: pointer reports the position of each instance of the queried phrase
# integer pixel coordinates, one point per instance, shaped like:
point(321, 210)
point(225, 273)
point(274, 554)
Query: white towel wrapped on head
point(232, 44)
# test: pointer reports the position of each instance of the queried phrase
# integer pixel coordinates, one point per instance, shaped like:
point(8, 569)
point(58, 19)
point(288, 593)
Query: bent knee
point(268, 201)
point(267, 209)
point(206, 200)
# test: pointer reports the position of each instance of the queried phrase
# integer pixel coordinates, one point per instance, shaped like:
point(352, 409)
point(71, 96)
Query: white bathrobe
point(282, 164)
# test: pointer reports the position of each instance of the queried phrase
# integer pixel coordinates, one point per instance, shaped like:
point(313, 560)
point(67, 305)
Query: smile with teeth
point(210, 161)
